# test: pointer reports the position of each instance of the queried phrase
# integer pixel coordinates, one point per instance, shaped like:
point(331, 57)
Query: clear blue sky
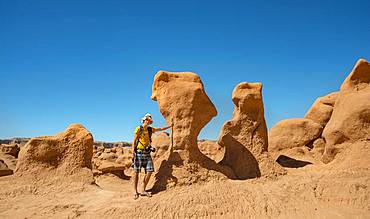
point(93, 62)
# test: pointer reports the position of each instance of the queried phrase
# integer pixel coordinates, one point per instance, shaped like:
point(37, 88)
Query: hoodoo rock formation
point(350, 121)
point(333, 123)
point(182, 101)
point(245, 136)
point(65, 154)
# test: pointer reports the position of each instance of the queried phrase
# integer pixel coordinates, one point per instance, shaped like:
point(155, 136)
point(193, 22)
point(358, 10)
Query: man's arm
point(162, 129)
point(134, 143)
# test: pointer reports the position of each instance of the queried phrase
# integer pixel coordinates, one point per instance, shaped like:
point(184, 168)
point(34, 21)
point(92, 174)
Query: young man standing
point(141, 152)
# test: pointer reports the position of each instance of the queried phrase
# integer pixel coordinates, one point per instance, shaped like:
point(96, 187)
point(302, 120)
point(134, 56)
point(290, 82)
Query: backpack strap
point(141, 130)
point(150, 132)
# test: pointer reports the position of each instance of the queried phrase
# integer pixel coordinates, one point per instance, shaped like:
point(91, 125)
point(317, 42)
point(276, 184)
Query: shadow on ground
point(286, 161)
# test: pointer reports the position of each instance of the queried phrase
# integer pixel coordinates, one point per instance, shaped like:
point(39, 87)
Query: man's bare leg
point(146, 180)
point(136, 179)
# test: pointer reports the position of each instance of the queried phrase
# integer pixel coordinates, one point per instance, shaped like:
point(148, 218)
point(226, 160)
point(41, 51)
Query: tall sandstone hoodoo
point(245, 136)
point(182, 101)
point(350, 120)
point(68, 153)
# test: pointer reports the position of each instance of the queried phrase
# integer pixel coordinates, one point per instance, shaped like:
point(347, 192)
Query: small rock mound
point(292, 133)
point(67, 153)
point(4, 170)
point(114, 160)
point(298, 139)
point(11, 149)
point(9, 155)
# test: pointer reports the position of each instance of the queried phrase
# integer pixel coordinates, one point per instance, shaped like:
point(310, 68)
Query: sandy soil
point(314, 191)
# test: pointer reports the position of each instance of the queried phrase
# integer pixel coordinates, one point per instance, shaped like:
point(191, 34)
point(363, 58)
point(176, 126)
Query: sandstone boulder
point(11, 149)
point(67, 153)
point(107, 166)
point(245, 136)
point(115, 160)
point(4, 170)
point(125, 159)
point(9, 160)
point(318, 146)
point(321, 110)
point(350, 120)
point(182, 101)
point(108, 156)
point(291, 133)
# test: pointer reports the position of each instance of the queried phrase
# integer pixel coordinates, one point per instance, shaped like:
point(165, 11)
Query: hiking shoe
point(136, 196)
point(148, 194)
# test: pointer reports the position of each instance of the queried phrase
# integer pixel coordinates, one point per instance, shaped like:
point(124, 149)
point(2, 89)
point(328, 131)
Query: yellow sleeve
point(137, 130)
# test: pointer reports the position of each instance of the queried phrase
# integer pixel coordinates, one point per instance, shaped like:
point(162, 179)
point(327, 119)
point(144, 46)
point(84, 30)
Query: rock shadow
point(164, 174)
point(239, 158)
point(286, 161)
point(121, 174)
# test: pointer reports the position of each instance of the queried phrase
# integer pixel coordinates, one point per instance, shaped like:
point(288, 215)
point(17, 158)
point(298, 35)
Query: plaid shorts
point(143, 160)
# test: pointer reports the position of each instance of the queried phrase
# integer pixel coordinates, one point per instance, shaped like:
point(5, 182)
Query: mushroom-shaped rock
point(245, 136)
point(350, 120)
point(182, 101)
point(321, 110)
point(67, 153)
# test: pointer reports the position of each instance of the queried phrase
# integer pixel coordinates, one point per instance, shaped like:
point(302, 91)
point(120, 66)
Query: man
point(141, 152)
